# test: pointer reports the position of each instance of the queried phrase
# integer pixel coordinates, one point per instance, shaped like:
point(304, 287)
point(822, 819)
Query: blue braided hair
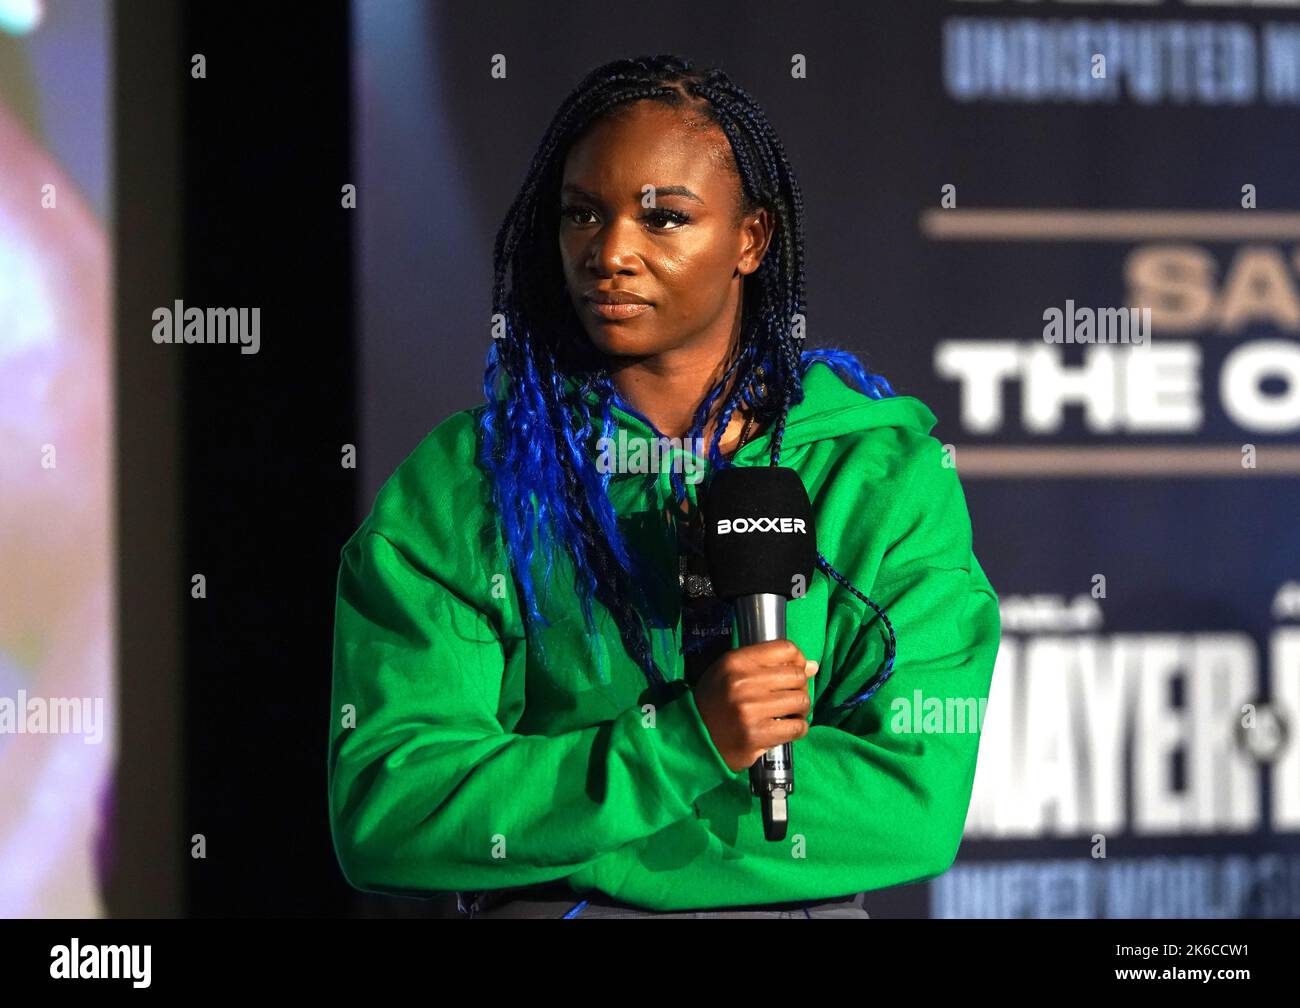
point(536, 437)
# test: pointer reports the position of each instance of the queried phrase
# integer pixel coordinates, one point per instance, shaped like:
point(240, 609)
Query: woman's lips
point(614, 312)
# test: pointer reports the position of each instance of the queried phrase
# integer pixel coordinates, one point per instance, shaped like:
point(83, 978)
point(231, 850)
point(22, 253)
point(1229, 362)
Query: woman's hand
point(743, 694)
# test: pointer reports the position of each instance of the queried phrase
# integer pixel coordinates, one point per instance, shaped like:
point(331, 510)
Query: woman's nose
point(613, 248)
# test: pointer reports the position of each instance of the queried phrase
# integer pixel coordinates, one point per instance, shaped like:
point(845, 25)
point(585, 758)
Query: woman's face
point(682, 257)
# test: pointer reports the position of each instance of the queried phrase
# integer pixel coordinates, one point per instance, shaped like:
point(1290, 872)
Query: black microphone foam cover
point(758, 532)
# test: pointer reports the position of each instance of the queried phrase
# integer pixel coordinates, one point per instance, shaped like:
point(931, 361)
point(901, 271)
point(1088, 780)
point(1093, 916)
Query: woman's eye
point(568, 212)
point(667, 216)
point(658, 217)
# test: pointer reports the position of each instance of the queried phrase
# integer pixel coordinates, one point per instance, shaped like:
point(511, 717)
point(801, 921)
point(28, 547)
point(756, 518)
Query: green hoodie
point(458, 760)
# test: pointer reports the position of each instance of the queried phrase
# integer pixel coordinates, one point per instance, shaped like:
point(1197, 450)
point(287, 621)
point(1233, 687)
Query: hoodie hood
point(829, 409)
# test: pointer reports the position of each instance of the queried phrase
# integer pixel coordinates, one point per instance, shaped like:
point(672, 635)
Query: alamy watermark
point(37, 715)
point(656, 454)
point(1101, 325)
point(919, 715)
point(75, 961)
point(178, 324)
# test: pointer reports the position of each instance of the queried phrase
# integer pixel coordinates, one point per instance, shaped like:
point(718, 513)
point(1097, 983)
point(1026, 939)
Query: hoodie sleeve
point(896, 772)
point(877, 801)
point(428, 789)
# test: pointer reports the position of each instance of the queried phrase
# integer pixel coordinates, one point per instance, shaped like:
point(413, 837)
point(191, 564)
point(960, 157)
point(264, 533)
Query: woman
point(567, 730)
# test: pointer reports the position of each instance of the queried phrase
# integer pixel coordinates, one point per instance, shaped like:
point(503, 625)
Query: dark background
point(264, 150)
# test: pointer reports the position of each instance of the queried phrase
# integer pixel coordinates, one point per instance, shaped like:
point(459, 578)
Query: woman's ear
point(756, 232)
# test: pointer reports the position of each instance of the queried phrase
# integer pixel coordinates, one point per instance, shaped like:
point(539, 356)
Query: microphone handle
point(761, 618)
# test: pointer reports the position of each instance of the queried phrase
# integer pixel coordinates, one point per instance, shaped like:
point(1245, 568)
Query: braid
point(536, 438)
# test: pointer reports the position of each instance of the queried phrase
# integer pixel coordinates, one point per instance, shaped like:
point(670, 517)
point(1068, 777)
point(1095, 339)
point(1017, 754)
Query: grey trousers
point(576, 908)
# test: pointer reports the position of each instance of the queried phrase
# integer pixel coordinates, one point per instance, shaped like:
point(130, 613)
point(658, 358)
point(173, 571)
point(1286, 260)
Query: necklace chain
point(697, 585)
point(744, 434)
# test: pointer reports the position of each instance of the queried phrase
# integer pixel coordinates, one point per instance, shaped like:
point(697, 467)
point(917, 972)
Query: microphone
point(760, 546)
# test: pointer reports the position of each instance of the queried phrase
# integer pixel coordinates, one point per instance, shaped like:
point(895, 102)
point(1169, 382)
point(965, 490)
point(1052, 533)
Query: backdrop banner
point(1071, 230)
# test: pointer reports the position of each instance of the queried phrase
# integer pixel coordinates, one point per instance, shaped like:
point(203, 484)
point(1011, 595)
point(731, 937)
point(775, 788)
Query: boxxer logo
point(726, 525)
